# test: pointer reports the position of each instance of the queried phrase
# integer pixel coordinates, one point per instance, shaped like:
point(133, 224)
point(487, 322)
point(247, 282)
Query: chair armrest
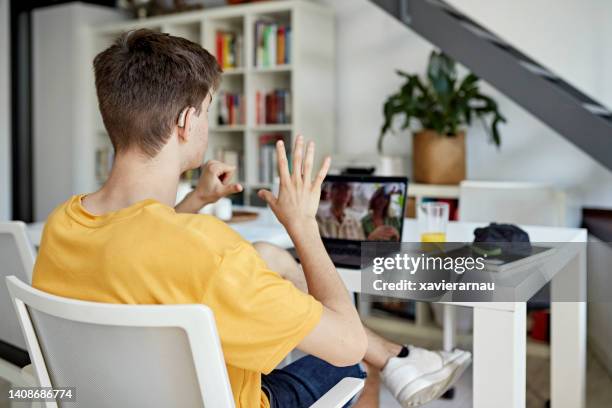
point(27, 373)
point(342, 393)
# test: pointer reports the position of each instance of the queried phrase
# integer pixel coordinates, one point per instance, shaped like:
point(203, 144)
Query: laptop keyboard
point(344, 250)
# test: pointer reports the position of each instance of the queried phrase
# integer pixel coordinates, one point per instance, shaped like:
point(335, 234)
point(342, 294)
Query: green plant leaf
point(442, 103)
point(468, 83)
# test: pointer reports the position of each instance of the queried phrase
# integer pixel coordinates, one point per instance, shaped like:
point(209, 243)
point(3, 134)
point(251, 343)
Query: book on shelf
point(272, 44)
point(273, 107)
point(231, 109)
point(229, 48)
point(233, 157)
point(268, 170)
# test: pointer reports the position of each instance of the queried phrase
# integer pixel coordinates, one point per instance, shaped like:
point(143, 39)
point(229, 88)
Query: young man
point(127, 244)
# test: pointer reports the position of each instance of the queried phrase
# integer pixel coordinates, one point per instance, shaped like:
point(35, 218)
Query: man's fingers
point(308, 161)
point(232, 188)
point(267, 196)
point(298, 152)
point(322, 172)
point(226, 175)
point(283, 165)
point(219, 168)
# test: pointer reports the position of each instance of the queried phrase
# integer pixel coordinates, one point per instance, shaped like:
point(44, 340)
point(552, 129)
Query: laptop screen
point(362, 208)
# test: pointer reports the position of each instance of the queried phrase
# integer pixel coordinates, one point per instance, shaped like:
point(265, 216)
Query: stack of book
point(273, 107)
point(229, 49)
point(272, 44)
point(233, 157)
point(231, 109)
point(267, 157)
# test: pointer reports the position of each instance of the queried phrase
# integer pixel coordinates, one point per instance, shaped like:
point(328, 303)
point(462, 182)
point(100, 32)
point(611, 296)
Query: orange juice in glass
point(433, 220)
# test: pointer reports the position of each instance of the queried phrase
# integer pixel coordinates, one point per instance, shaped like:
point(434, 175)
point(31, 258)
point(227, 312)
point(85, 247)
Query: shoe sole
point(433, 385)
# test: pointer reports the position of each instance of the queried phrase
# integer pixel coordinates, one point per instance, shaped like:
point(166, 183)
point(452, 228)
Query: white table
point(499, 368)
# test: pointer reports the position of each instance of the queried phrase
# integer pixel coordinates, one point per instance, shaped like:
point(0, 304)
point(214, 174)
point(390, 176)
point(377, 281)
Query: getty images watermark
point(413, 263)
point(470, 272)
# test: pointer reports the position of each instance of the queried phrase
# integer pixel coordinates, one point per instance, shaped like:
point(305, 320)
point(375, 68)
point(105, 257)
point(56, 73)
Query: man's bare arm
point(213, 184)
point(339, 338)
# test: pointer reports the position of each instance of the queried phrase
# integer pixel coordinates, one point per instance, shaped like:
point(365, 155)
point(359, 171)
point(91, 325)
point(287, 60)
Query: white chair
point(17, 258)
point(132, 355)
point(511, 202)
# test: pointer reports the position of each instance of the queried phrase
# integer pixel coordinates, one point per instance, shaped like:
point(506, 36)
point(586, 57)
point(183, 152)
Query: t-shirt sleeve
point(260, 316)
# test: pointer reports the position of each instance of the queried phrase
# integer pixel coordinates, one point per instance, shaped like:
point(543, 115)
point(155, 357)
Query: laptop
point(359, 208)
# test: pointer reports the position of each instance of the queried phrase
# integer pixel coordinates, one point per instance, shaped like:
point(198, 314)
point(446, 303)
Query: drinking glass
point(433, 220)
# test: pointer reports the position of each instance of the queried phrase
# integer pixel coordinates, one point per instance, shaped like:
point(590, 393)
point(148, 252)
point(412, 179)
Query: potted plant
point(444, 106)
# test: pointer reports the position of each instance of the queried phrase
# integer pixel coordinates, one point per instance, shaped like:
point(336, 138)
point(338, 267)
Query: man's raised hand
point(299, 195)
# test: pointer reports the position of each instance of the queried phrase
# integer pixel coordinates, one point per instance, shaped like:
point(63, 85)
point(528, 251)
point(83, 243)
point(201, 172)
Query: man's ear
point(184, 123)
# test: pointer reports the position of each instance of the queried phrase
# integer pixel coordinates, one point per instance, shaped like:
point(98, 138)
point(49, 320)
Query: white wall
point(566, 35)
point(5, 124)
point(61, 84)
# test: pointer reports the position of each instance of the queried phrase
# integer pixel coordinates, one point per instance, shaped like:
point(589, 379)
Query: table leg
point(568, 337)
point(500, 347)
point(449, 328)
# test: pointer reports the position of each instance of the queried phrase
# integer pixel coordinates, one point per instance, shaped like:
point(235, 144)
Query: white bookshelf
point(309, 77)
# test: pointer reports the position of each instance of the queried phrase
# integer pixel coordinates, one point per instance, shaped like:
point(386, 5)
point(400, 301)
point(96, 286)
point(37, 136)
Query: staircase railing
point(574, 115)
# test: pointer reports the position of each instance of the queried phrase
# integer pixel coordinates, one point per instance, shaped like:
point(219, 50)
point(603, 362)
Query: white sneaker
point(423, 375)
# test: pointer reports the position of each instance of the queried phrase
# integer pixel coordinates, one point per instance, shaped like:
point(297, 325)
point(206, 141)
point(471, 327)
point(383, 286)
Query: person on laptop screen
point(379, 224)
point(334, 220)
point(129, 243)
point(360, 210)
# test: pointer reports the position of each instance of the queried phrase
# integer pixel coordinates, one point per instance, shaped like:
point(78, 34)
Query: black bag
point(486, 238)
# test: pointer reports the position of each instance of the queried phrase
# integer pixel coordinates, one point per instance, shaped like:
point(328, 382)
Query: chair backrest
point(123, 355)
point(511, 202)
point(16, 258)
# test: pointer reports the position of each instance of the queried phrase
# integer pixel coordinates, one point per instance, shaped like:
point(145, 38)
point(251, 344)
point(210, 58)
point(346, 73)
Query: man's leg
point(303, 382)
point(370, 395)
point(282, 262)
point(414, 376)
point(379, 349)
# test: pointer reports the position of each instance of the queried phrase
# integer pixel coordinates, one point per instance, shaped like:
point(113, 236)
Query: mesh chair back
point(16, 258)
point(124, 355)
point(149, 367)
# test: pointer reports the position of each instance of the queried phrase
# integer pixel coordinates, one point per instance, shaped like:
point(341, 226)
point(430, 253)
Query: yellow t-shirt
point(149, 254)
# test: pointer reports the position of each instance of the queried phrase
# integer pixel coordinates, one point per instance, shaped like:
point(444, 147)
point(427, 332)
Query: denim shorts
point(303, 382)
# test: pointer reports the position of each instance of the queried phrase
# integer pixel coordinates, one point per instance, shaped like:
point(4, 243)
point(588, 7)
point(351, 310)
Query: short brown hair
point(144, 80)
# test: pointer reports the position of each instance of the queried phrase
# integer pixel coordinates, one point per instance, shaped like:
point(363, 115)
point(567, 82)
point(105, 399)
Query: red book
point(230, 108)
point(273, 107)
point(268, 108)
point(269, 138)
point(219, 44)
